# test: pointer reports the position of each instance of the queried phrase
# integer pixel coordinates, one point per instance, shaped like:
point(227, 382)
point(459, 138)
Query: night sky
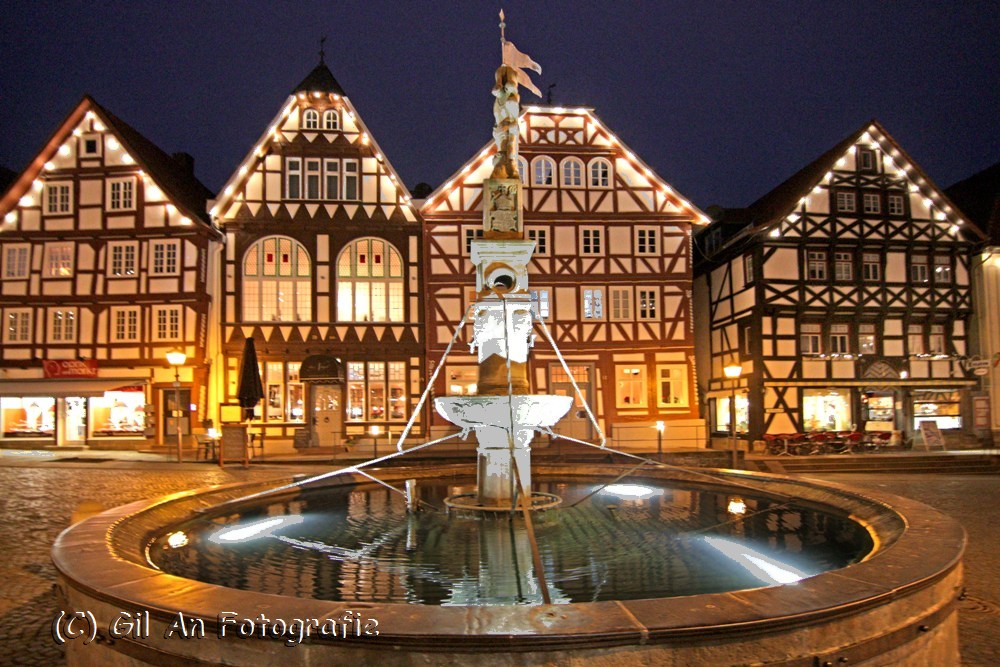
point(723, 99)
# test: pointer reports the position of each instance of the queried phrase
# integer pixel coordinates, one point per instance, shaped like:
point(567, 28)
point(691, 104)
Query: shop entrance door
point(576, 424)
point(75, 424)
point(328, 415)
point(176, 416)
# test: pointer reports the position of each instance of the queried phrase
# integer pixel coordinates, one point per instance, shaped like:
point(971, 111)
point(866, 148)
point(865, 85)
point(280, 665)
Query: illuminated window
point(310, 119)
point(942, 406)
point(723, 414)
point(826, 409)
point(17, 325)
point(15, 260)
point(121, 194)
point(369, 282)
point(125, 324)
point(376, 391)
point(600, 173)
point(630, 386)
point(58, 260)
point(671, 385)
point(58, 198)
point(572, 172)
point(646, 241)
point(866, 339)
point(123, 259)
point(621, 303)
point(542, 169)
point(461, 380)
point(165, 257)
point(915, 338)
point(942, 269)
point(277, 281)
point(62, 325)
point(117, 414)
point(166, 323)
point(593, 303)
point(331, 120)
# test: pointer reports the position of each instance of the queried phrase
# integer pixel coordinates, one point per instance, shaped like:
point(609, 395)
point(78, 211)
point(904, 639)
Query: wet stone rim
point(916, 547)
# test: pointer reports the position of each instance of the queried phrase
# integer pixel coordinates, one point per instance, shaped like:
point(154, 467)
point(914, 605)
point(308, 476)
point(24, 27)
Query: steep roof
point(320, 80)
point(979, 198)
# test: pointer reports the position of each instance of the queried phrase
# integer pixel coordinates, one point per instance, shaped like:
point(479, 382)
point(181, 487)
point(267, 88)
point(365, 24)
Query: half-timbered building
point(321, 268)
point(610, 275)
point(104, 260)
point(844, 294)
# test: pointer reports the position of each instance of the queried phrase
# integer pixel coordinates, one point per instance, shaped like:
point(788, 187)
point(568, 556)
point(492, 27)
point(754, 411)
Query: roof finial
point(503, 25)
point(322, 53)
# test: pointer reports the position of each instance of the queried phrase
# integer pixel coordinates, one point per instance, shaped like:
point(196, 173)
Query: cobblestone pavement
point(39, 499)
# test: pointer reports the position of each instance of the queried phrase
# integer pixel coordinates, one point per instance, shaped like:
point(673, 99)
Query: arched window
point(277, 281)
point(310, 119)
point(331, 120)
point(600, 173)
point(572, 173)
point(522, 166)
point(370, 282)
point(542, 170)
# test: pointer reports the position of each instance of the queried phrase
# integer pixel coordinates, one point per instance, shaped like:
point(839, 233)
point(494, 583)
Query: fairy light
point(49, 166)
point(113, 144)
point(26, 200)
point(128, 159)
point(64, 150)
point(11, 217)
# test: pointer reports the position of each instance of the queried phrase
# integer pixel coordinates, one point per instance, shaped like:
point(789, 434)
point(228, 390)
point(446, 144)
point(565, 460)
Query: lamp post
point(660, 426)
point(176, 359)
point(375, 430)
point(733, 372)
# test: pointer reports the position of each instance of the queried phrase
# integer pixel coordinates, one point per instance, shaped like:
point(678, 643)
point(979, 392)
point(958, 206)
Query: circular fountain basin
point(889, 597)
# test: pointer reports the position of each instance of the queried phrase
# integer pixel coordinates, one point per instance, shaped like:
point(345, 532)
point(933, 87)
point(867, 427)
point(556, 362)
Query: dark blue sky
point(723, 99)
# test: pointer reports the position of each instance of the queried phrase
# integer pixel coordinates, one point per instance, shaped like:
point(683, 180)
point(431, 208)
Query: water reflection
point(625, 541)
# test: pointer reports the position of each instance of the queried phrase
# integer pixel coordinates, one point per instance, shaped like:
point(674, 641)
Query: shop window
point(723, 414)
point(369, 282)
point(277, 281)
point(376, 391)
point(940, 406)
point(671, 385)
point(630, 386)
point(462, 380)
point(117, 414)
point(826, 409)
point(879, 410)
point(28, 417)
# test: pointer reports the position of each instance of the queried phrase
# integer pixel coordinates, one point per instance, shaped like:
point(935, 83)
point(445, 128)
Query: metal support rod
point(177, 411)
point(732, 423)
point(536, 557)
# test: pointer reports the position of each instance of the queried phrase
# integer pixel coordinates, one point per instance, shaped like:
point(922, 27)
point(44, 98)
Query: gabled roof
point(979, 198)
point(320, 80)
point(176, 181)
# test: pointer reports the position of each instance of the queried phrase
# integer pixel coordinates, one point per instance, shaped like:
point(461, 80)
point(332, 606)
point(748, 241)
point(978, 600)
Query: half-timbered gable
point(104, 256)
point(844, 294)
point(322, 256)
point(611, 274)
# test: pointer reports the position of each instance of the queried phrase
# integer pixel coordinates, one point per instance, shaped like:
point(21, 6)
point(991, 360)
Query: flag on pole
point(519, 62)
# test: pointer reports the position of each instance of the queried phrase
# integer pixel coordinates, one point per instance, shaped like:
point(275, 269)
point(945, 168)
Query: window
point(58, 260)
point(351, 188)
point(942, 406)
point(816, 266)
point(542, 172)
point(62, 325)
point(630, 386)
point(125, 324)
point(90, 145)
point(541, 238)
point(810, 339)
point(331, 120)
point(872, 202)
point(871, 267)
point(17, 325)
point(935, 340)
point(866, 339)
point(121, 194)
point(593, 303)
point(645, 241)
point(915, 338)
point(866, 159)
point(723, 414)
point(165, 254)
point(312, 179)
point(748, 275)
point(591, 241)
point(332, 179)
point(843, 266)
point(572, 173)
point(376, 391)
point(846, 202)
point(621, 303)
point(277, 281)
point(840, 339)
point(283, 391)
point(918, 269)
point(310, 119)
point(471, 234)
point(540, 303)
point(370, 282)
point(58, 198)
point(522, 168)
point(942, 269)
point(122, 259)
point(15, 260)
point(462, 380)
point(293, 178)
point(826, 409)
point(166, 323)
point(600, 173)
point(896, 205)
point(647, 301)
point(671, 386)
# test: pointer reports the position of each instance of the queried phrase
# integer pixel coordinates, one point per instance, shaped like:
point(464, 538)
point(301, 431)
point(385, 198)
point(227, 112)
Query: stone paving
point(39, 498)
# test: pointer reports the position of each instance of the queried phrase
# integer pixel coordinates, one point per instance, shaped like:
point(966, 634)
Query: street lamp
point(176, 358)
point(660, 426)
point(733, 372)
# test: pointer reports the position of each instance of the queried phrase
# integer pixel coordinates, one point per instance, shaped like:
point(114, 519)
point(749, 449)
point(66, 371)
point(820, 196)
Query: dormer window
point(331, 120)
point(866, 159)
point(310, 119)
point(90, 145)
point(572, 173)
point(600, 173)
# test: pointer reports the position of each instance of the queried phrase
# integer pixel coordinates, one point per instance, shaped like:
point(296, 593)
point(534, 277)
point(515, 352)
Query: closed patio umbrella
point(249, 391)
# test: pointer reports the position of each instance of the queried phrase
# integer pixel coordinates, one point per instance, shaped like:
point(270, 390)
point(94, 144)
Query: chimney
point(185, 161)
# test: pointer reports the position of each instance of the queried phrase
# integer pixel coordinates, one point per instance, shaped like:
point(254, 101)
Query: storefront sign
point(69, 368)
point(321, 367)
point(933, 439)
